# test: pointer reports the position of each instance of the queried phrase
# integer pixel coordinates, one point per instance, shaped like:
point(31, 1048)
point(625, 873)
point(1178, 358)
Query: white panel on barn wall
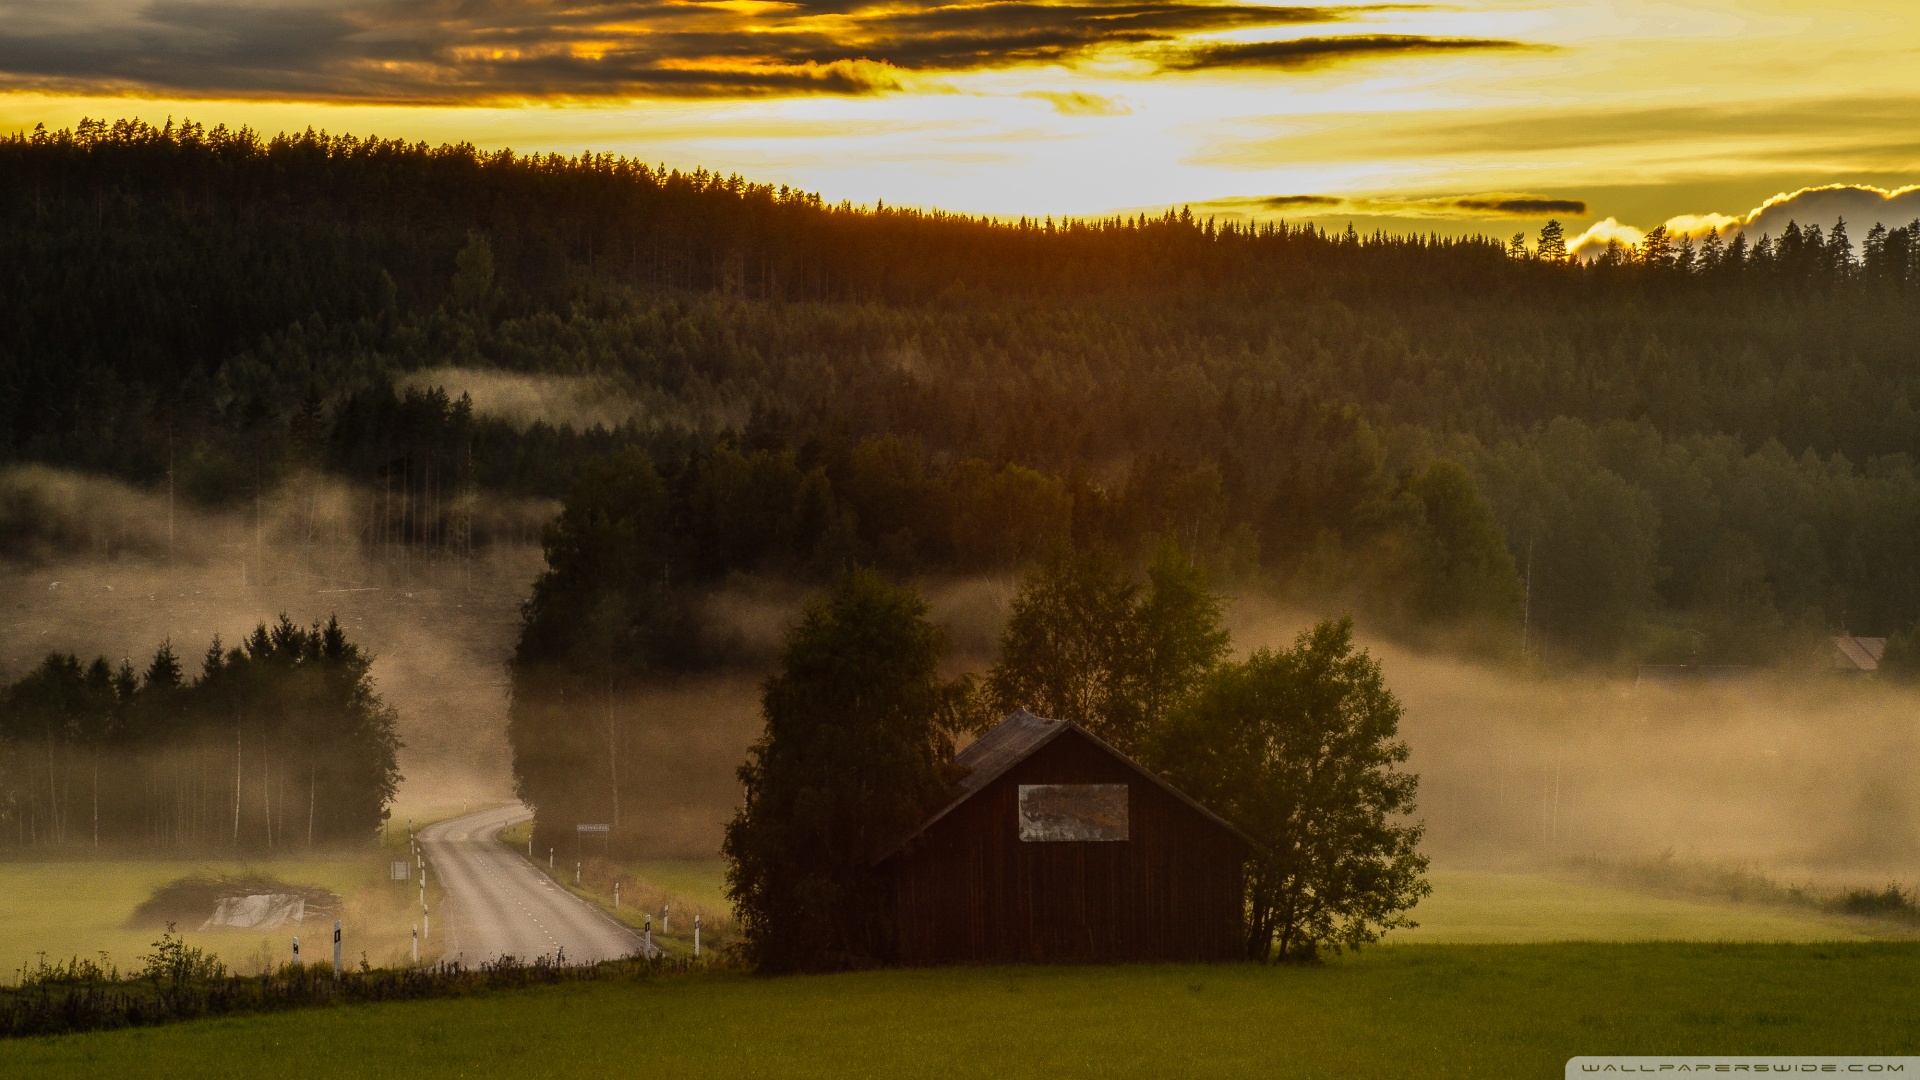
point(1069, 812)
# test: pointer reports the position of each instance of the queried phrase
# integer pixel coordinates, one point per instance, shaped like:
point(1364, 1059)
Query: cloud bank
point(432, 51)
point(1861, 206)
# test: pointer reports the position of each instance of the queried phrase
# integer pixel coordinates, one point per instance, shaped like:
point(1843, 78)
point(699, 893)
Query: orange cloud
point(428, 51)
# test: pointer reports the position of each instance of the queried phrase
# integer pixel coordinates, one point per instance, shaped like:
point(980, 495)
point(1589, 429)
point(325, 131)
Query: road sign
point(594, 828)
point(400, 870)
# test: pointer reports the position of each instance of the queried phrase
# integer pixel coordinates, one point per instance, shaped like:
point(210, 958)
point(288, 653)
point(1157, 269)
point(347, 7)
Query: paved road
point(498, 904)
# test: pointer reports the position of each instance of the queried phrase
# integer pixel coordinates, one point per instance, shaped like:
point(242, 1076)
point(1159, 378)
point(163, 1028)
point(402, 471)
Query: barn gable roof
point(1017, 738)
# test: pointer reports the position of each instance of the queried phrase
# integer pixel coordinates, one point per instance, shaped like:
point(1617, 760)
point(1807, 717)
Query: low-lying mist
point(579, 401)
point(1803, 775)
point(96, 567)
point(1800, 774)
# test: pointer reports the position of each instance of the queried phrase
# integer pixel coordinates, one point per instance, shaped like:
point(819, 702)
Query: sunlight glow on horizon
point(1643, 111)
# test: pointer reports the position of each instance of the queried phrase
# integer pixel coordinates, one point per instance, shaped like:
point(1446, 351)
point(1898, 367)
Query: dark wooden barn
point(1055, 847)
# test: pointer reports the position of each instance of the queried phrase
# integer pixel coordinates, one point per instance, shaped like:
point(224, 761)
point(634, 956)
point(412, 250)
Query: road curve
point(498, 904)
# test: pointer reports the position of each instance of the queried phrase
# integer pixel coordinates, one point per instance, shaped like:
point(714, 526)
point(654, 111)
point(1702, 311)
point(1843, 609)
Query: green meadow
point(1428, 1010)
point(1477, 907)
point(86, 907)
point(1467, 907)
point(1507, 976)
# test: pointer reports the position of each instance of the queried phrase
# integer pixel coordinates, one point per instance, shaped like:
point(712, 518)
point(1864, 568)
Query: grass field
point(1467, 907)
point(1504, 1011)
point(1478, 907)
point(82, 908)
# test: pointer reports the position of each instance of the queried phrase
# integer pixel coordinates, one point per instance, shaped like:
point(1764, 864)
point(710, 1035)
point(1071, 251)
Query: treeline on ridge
point(1686, 451)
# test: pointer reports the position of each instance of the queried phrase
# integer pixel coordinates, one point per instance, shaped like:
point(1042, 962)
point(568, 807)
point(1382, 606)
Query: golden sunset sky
point(1484, 116)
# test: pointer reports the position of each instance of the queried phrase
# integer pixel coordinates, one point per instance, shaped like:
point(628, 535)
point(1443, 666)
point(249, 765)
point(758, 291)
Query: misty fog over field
point(1796, 773)
point(95, 578)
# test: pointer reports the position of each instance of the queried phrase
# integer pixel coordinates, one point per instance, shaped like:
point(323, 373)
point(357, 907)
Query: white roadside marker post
point(549, 858)
point(696, 936)
point(416, 944)
point(649, 936)
point(296, 950)
point(616, 896)
point(426, 922)
point(336, 949)
point(666, 918)
point(576, 873)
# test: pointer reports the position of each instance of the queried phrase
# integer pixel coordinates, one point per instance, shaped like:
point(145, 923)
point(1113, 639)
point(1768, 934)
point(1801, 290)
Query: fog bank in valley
point(93, 567)
point(1795, 773)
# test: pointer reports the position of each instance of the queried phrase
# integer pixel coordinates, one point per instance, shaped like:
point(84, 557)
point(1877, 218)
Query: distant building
point(1852, 655)
point(1056, 847)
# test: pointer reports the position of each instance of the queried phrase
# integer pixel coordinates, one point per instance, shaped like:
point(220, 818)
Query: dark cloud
point(470, 50)
point(1519, 205)
point(1300, 53)
point(1495, 205)
point(1276, 202)
point(1286, 202)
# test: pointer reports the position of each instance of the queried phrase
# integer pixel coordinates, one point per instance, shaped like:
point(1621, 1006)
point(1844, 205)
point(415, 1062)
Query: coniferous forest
point(1688, 451)
point(278, 743)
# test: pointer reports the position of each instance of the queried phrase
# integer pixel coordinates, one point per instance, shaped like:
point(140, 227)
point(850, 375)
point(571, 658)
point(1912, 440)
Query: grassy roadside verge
point(1453, 1011)
point(670, 891)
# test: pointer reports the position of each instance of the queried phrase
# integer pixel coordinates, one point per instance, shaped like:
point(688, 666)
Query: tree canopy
point(816, 385)
point(1085, 642)
point(854, 755)
point(1298, 748)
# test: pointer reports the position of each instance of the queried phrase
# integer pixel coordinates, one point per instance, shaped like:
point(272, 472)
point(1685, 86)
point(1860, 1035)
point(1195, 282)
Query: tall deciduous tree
point(1298, 748)
point(1182, 635)
point(1072, 649)
point(1086, 643)
point(854, 754)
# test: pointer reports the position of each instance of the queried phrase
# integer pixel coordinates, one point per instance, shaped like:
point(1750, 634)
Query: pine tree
point(1553, 242)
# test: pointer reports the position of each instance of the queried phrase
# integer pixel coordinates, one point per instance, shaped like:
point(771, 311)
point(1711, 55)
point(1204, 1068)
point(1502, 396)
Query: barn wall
point(969, 891)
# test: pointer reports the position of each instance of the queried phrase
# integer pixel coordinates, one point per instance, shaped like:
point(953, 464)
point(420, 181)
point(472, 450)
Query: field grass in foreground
point(1504, 1011)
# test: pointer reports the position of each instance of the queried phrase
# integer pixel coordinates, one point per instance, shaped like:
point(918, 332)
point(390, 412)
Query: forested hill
point(1693, 450)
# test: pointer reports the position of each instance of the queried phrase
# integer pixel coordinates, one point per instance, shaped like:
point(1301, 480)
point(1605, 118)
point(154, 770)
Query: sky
point(1489, 116)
